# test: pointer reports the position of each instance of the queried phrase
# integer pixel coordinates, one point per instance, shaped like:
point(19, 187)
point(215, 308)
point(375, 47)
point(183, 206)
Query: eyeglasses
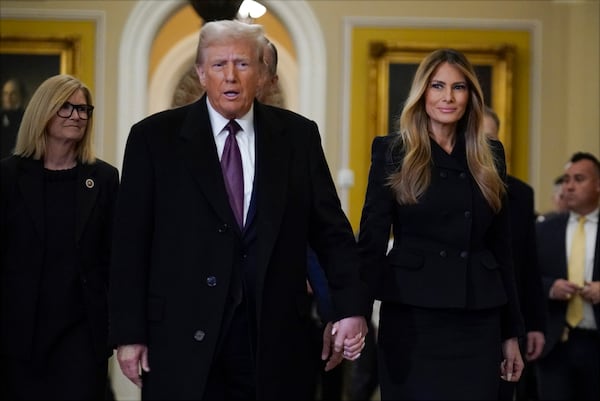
point(84, 111)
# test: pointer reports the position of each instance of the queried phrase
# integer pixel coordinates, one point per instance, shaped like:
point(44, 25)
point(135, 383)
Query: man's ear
point(201, 75)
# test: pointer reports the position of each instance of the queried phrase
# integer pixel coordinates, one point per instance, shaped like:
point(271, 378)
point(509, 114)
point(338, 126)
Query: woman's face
point(447, 95)
point(68, 129)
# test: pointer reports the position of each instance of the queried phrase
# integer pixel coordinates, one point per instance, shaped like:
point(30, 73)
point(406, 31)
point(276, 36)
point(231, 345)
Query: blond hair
point(414, 175)
point(45, 102)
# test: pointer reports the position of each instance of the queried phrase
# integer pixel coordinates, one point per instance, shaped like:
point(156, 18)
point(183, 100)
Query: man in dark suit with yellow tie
point(569, 259)
point(204, 307)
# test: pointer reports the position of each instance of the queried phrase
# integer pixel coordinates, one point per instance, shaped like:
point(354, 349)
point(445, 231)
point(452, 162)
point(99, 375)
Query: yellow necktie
point(576, 272)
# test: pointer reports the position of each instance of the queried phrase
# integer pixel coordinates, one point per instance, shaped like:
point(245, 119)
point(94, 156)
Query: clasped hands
point(563, 290)
point(344, 339)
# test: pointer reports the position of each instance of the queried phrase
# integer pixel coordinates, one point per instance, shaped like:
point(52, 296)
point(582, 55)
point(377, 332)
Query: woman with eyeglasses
point(56, 212)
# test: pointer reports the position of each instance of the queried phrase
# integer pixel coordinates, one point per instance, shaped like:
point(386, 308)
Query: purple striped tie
point(231, 163)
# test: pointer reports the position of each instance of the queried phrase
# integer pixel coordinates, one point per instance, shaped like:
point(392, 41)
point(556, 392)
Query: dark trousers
point(233, 372)
point(571, 371)
point(69, 371)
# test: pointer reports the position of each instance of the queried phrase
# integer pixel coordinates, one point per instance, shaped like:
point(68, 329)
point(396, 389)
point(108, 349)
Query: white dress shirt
point(245, 140)
point(591, 230)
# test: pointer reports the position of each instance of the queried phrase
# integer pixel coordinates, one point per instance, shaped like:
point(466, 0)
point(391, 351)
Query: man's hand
point(591, 292)
point(335, 358)
point(132, 358)
point(349, 336)
point(343, 339)
point(535, 345)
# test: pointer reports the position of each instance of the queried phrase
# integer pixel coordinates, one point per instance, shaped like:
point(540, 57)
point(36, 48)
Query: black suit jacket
point(450, 250)
point(553, 264)
point(528, 276)
point(178, 249)
point(22, 242)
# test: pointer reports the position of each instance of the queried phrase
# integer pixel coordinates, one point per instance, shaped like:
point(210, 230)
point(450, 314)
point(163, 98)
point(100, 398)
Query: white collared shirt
point(591, 229)
point(245, 140)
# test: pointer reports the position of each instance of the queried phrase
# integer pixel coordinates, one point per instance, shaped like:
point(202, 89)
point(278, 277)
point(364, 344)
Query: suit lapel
point(31, 184)
point(596, 268)
point(272, 158)
point(198, 151)
point(86, 194)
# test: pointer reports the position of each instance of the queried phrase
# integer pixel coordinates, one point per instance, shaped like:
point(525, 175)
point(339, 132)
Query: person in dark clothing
point(56, 211)
point(528, 277)
point(569, 261)
point(208, 294)
point(447, 286)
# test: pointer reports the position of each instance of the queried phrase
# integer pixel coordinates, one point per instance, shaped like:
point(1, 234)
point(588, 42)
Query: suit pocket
point(488, 261)
point(403, 259)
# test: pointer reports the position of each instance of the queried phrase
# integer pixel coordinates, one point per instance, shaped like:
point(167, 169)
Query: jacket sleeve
point(377, 215)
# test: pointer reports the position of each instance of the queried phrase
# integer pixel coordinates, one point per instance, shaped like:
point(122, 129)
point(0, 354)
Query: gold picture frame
point(34, 59)
point(392, 67)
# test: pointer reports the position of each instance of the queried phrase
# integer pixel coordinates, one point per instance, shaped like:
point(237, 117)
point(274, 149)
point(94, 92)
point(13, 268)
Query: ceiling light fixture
point(251, 9)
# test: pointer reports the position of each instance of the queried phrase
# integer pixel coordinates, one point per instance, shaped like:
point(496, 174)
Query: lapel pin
point(89, 183)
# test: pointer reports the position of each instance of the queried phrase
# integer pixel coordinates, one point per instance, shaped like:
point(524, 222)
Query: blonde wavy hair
point(413, 177)
point(42, 107)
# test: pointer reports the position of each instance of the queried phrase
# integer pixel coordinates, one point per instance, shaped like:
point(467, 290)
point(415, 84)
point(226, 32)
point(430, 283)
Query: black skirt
point(438, 354)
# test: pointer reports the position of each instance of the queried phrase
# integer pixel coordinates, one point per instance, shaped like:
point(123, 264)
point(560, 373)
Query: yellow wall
point(83, 31)
point(563, 116)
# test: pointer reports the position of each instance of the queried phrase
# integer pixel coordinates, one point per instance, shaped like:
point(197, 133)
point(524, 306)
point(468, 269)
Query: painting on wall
point(32, 60)
point(392, 68)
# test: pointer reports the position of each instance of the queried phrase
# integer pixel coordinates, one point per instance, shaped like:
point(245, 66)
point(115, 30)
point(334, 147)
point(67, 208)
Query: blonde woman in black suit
point(56, 208)
point(447, 286)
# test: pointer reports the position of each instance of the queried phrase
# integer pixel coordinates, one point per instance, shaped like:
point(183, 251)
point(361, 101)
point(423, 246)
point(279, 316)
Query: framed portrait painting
point(32, 60)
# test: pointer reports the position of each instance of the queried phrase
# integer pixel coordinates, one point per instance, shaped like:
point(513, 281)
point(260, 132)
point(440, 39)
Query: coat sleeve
point(377, 215)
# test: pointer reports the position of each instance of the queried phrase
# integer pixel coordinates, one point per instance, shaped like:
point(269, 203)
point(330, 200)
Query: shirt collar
point(593, 216)
point(218, 122)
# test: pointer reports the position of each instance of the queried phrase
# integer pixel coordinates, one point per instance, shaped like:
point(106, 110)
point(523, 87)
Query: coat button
point(443, 254)
point(464, 254)
point(211, 281)
point(443, 174)
point(467, 214)
point(463, 175)
point(199, 335)
point(223, 229)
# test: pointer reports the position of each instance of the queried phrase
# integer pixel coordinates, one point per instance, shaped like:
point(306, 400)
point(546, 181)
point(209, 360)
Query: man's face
point(230, 73)
point(11, 97)
point(490, 129)
point(581, 186)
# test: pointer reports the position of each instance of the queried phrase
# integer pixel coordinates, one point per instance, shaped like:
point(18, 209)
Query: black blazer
point(22, 243)
point(177, 248)
point(553, 264)
point(450, 250)
point(529, 279)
